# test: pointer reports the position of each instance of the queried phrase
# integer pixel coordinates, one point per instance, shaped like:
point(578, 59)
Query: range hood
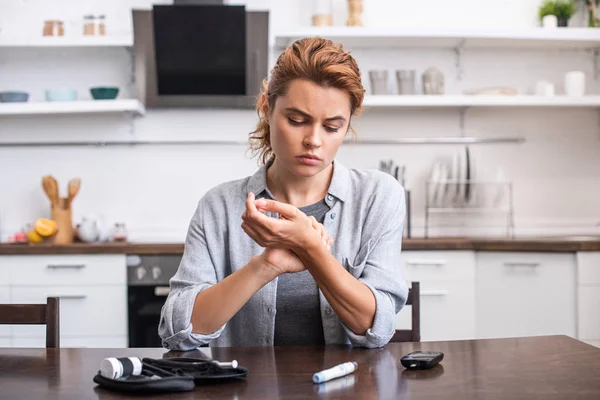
point(189, 55)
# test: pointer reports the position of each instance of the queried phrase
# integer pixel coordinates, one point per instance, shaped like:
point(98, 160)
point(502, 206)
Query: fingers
point(325, 238)
point(286, 211)
point(253, 234)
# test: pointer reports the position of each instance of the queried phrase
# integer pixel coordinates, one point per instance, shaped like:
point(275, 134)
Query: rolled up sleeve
point(382, 272)
point(196, 273)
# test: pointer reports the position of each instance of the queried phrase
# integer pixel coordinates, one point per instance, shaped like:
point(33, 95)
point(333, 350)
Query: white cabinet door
point(4, 271)
point(84, 311)
point(588, 296)
point(447, 311)
point(447, 293)
point(4, 299)
point(525, 294)
point(67, 270)
point(117, 342)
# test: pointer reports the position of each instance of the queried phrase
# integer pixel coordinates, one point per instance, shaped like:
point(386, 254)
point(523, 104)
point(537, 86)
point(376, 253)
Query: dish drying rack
point(464, 205)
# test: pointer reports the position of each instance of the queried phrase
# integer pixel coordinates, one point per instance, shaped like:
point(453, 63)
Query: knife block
point(63, 216)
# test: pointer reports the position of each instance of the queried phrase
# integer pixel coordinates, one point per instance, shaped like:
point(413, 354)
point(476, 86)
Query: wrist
point(264, 270)
point(310, 245)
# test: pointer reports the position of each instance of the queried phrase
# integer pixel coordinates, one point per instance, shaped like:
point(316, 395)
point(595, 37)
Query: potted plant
point(562, 9)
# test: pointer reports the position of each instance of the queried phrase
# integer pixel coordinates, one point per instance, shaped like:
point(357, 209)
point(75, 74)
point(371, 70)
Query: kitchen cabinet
point(447, 283)
point(116, 342)
point(588, 297)
point(525, 294)
point(84, 310)
point(92, 291)
point(66, 270)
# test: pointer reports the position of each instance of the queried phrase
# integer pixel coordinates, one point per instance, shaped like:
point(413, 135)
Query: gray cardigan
point(366, 222)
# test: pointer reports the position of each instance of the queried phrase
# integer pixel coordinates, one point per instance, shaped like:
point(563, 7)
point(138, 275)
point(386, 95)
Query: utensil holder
point(63, 216)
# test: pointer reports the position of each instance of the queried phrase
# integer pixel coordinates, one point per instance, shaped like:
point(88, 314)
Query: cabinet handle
point(70, 296)
point(521, 264)
point(427, 263)
point(434, 293)
point(66, 266)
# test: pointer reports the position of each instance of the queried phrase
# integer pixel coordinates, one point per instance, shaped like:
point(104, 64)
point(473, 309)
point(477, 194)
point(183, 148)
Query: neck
point(297, 190)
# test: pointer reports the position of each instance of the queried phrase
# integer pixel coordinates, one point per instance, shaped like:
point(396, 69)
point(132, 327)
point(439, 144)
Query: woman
point(305, 251)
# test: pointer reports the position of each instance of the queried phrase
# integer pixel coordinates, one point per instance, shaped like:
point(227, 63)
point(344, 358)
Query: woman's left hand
point(293, 229)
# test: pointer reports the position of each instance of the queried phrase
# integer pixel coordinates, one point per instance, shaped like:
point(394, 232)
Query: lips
point(309, 159)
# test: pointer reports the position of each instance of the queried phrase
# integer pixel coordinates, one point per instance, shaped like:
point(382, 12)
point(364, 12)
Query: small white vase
point(550, 21)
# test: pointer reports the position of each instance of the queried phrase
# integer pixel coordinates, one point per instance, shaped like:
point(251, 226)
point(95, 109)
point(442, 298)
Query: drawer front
point(525, 294)
point(447, 311)
point(68, 270)
point(423, 266)
point(589, 313)
point(116, 342)
point(588, 268)
point(91, 311)
point(5, 330)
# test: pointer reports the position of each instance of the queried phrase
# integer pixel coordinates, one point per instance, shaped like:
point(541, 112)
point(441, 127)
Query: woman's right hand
point(283, 261)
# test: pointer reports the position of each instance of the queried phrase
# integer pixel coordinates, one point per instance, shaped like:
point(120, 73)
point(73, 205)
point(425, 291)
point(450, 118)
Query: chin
point(308, 171)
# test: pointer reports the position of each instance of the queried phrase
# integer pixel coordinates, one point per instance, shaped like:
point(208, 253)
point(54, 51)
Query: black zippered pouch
point(170, 375)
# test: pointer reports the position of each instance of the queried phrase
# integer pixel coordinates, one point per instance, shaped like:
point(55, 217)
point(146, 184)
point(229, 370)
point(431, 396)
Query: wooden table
point(552, 367)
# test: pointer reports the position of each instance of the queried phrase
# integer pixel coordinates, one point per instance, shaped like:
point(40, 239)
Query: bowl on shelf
point(61, 94)
point(104, 92)
point(14, 97)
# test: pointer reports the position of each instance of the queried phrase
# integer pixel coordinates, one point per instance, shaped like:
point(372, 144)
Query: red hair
point(317, 60)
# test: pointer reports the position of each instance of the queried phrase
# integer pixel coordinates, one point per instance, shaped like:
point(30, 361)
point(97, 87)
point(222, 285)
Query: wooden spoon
point(51, 189)
point(73, 189)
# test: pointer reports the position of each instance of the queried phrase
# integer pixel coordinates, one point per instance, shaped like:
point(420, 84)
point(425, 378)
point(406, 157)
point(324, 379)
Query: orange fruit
point(45, 227)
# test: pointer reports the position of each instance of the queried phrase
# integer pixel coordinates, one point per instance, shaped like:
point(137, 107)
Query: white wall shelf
point(72, 107)
point(449, 101)
point(363, 37)
point(66, 41)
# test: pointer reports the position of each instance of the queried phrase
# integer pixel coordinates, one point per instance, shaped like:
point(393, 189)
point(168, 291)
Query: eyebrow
point(307, 115)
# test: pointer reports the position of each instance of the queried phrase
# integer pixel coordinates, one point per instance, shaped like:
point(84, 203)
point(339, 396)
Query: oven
point(147, 289)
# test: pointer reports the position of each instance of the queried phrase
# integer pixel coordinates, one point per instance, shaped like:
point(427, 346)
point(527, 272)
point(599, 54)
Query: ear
point(264, 101)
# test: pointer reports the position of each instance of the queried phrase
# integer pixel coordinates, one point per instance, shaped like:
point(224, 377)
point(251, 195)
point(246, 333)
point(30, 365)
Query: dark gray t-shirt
point(298, 313)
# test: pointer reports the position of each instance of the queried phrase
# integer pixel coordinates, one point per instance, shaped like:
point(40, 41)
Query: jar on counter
point(89, 25)
point(60, 28)
point(101, 25)
point(48, 28)
point(120, 232)
point(322, 13)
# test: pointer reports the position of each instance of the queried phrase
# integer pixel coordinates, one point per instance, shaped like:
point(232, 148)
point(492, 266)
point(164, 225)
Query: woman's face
point(308, 126)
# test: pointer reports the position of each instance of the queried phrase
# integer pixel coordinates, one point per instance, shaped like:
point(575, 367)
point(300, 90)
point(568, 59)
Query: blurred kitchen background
point(547, 154)
point(488, 112)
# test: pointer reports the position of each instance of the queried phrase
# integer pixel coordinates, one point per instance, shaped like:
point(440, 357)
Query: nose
point(312, 139)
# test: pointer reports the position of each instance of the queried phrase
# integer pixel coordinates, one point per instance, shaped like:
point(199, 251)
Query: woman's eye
point(332, 129)
point(294, 122)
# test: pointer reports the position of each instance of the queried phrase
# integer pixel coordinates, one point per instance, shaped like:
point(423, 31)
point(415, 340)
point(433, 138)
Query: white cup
point(550, 21)
point(575, 83)
point(544, 88)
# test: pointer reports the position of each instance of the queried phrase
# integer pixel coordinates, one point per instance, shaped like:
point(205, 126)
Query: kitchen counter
point(565, 244)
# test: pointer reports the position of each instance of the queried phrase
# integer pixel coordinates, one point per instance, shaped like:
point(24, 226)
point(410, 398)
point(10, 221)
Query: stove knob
point(155, 273)
point(140, 273)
